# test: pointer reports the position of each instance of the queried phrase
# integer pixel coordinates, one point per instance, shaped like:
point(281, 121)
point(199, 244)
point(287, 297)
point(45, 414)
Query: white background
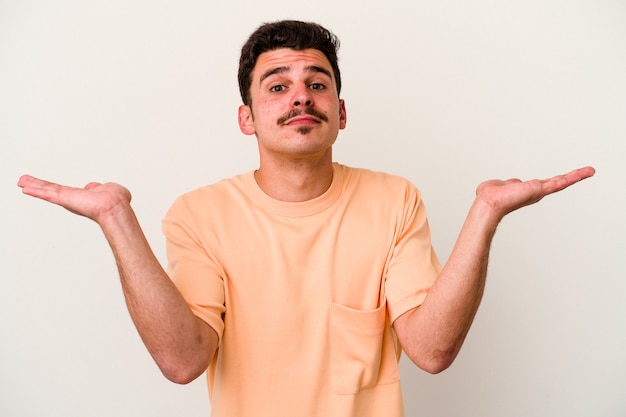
point(446, 93)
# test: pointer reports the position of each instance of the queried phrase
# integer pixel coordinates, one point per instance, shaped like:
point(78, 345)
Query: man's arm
point(433, 333)
point(181, 344)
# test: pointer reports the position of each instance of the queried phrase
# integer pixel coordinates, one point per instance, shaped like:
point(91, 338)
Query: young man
point(298, 283)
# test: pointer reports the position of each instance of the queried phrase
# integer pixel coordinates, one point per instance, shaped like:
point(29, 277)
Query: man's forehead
point(285, 59)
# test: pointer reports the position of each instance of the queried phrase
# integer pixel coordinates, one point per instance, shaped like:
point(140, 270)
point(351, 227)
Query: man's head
point(285, 34)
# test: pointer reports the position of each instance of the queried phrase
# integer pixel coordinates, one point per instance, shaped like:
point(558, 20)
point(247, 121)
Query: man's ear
point(246, 121)
point(342, 114)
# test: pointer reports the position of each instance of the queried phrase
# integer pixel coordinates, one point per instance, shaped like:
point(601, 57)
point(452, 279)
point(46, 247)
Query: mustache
point(298, 112)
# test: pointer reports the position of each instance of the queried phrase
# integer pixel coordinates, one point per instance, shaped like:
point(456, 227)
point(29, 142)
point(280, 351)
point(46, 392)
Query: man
point(297, 284)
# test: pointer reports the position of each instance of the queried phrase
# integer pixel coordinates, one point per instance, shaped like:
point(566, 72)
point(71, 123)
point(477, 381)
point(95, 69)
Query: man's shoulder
point(215, 194)
point(373, 178)
point(222, 186)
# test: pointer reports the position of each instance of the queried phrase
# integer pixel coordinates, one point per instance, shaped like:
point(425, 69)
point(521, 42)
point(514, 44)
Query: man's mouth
point(297, 116)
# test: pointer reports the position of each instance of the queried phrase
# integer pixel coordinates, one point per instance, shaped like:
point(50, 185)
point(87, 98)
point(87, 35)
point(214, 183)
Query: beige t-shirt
point(302, 295)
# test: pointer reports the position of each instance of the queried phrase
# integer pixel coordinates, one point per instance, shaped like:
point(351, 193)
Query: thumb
point(92, 185)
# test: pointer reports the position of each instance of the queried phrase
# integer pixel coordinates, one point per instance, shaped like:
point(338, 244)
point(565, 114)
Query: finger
point(30, 184)
point(42, 189)
point(25, 180)
point(584, 172)
point(30, 181)
point(92, 185)
point(561, 182)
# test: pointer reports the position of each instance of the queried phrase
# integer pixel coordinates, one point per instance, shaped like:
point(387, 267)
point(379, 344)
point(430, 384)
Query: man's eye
point(277, 88)
point(317, 86)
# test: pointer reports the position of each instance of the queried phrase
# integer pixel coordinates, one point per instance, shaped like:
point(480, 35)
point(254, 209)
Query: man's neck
point(295, 181)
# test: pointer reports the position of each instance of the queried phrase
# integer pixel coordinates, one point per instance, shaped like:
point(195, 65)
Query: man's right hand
point(95, 201)
point(181, 344)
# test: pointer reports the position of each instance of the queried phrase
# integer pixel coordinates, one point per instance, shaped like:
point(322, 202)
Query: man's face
point(295, 111)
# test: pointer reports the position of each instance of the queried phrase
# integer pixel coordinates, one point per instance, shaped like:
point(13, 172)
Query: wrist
point(484, 216)
point(119, 218)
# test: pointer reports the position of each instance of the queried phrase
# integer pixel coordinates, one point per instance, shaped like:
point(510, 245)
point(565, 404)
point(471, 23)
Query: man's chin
point(304, 130)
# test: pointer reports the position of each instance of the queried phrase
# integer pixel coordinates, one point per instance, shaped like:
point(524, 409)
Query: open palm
point(505, 196)
point(94, 201)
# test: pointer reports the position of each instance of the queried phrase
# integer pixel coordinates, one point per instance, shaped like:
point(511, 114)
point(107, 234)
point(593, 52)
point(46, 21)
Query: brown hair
point(290, 34)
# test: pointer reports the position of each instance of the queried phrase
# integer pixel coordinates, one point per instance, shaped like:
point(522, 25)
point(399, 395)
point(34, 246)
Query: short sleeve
point(414, 266)
point(193, 266)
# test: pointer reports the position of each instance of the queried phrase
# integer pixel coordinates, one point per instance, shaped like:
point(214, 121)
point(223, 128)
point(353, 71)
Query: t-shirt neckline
point(297, 209)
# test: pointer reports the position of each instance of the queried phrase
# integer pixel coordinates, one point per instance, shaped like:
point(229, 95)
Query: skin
point(432, 334)
point(295, 153)
point(181, 344)
point(296, 115)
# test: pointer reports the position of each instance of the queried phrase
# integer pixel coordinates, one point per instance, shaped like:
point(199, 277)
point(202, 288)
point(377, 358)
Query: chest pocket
point(362, 349)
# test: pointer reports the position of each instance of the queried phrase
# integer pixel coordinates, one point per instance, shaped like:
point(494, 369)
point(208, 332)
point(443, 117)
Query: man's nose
point(302, 97)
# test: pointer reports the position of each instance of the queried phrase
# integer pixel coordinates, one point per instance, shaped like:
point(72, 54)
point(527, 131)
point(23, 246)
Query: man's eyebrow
point(274, 71)
point(315, 68)
point(282, 70)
